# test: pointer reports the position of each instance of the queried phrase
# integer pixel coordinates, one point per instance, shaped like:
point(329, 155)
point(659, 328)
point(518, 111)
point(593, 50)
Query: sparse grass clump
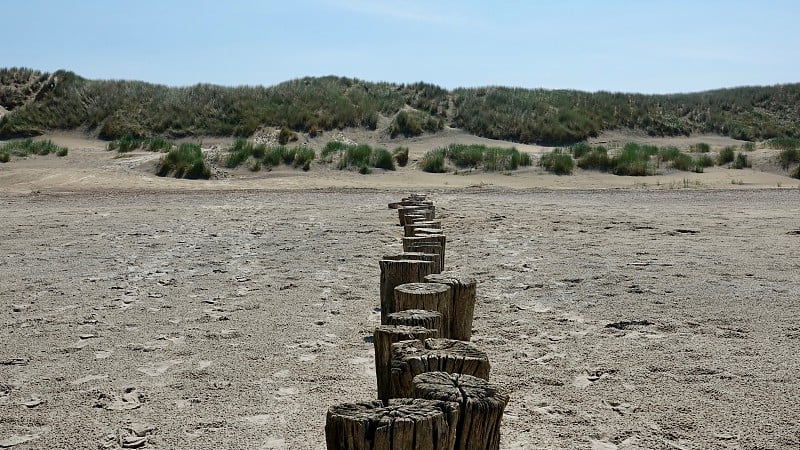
point(700, 147)
point(433, 161)
point(414, 123)
point(272, 156)
point(4, 157)
point(789, 156)
point(701, 162)
point(557, 162)
point(726, 155)
point(128, 143)
point(749, 146)
point(634, 160)
point(186, 161)
point(474, 156)
point(675, 158)
point(29, 147)
point(580, 149)
point(401, 156)
point(361, 157)
point(596, 159)
point(783, 143)
point(741, 161)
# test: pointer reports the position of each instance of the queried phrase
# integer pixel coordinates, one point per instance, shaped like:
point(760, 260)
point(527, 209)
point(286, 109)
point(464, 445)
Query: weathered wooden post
point(429, 211)
point(382, 339)
point(413, 357)
point(424, 247)
point(462, 290)
point(481, 406)
point(416, 318)
point(395, 273)
point(408, 423)
point(435, 258)
point(408, 230)
point(440, 240)
point(430, 296)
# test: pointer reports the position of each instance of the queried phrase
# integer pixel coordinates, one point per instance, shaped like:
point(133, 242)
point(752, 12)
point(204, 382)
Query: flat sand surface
point(231, 314)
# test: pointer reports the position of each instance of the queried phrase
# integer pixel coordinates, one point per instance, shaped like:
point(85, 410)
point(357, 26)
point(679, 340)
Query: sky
point(644, 46)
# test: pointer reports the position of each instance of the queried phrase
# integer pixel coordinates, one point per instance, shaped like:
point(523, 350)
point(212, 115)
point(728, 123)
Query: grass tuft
point(557, 162)
point(186, 161)
point(29, 147)
point(741, 161)
point(726, 155)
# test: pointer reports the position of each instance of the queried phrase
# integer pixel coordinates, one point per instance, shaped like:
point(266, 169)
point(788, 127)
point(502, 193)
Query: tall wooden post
point(430, 296)
point(395, 273)
point(382, 340)
point(440, 240)
point(416, 318)
point(462, 289)
point(413, 357)
point(408, 423)
point(481, 406)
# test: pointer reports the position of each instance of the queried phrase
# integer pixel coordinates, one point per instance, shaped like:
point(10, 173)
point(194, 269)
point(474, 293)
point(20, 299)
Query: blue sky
point(647, 46)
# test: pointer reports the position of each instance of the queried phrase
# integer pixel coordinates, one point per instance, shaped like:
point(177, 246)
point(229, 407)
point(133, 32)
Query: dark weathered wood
point(429, 211)
point(413, 357)
point(440, 240)
point(430, 296)
point(409, 228)
point(409, 202)
point(425, 247)
point(481, 406)
point(382, 340)
point(428, 231)
point(408, 423)
point(463, 289)
point(416, 318)
point(418, 256)
point(397, 272)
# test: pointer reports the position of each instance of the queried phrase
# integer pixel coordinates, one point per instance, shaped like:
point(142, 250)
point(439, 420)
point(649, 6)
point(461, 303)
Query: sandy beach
point(617, 312)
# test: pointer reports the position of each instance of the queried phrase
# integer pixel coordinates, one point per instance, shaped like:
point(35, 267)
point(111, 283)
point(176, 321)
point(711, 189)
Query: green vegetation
point(361, 157)
point(741, 161)
point(596, 159)
point(414, 123)
point(114, 109)
point(401, 156)
point(186, 161)
point(726, 155)
point(128, 143)
point(784, 143)
point(749, 146)
point(29, 147)
point(557, 162)
point(433, 161)
point(272, 156)
point(700, 147)
point(634, 160)
point(462, 156)
point(789, 156)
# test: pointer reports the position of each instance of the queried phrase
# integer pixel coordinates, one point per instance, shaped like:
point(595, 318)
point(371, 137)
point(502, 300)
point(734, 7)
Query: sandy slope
point(232, 313)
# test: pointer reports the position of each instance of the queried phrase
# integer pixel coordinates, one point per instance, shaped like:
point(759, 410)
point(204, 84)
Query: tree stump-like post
point(481, 406)
point(395, 273)
point(382, 340)
point(422, 231)
point(416, 318)
point(413, 357)
point(408, 423)
point(408, 230)
point(462, 289)
point(440, 240)
point(423, 247)
point(409, 202)
point(435, 258)
point(430, 296)
point(429, 211)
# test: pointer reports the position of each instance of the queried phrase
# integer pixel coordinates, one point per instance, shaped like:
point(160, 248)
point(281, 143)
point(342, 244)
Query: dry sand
point(233, 313)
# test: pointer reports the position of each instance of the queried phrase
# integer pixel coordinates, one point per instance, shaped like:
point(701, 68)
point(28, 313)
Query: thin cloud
point(419, 12)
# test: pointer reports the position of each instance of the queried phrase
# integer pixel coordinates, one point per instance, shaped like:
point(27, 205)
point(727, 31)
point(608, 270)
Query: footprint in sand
point(602, 445)
point(287, 391)
point(591, 377)
point(130, 399)
point(622, 408)
point(157, 369)
point(102, 354)
point(17, 440)
point(89, 378)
